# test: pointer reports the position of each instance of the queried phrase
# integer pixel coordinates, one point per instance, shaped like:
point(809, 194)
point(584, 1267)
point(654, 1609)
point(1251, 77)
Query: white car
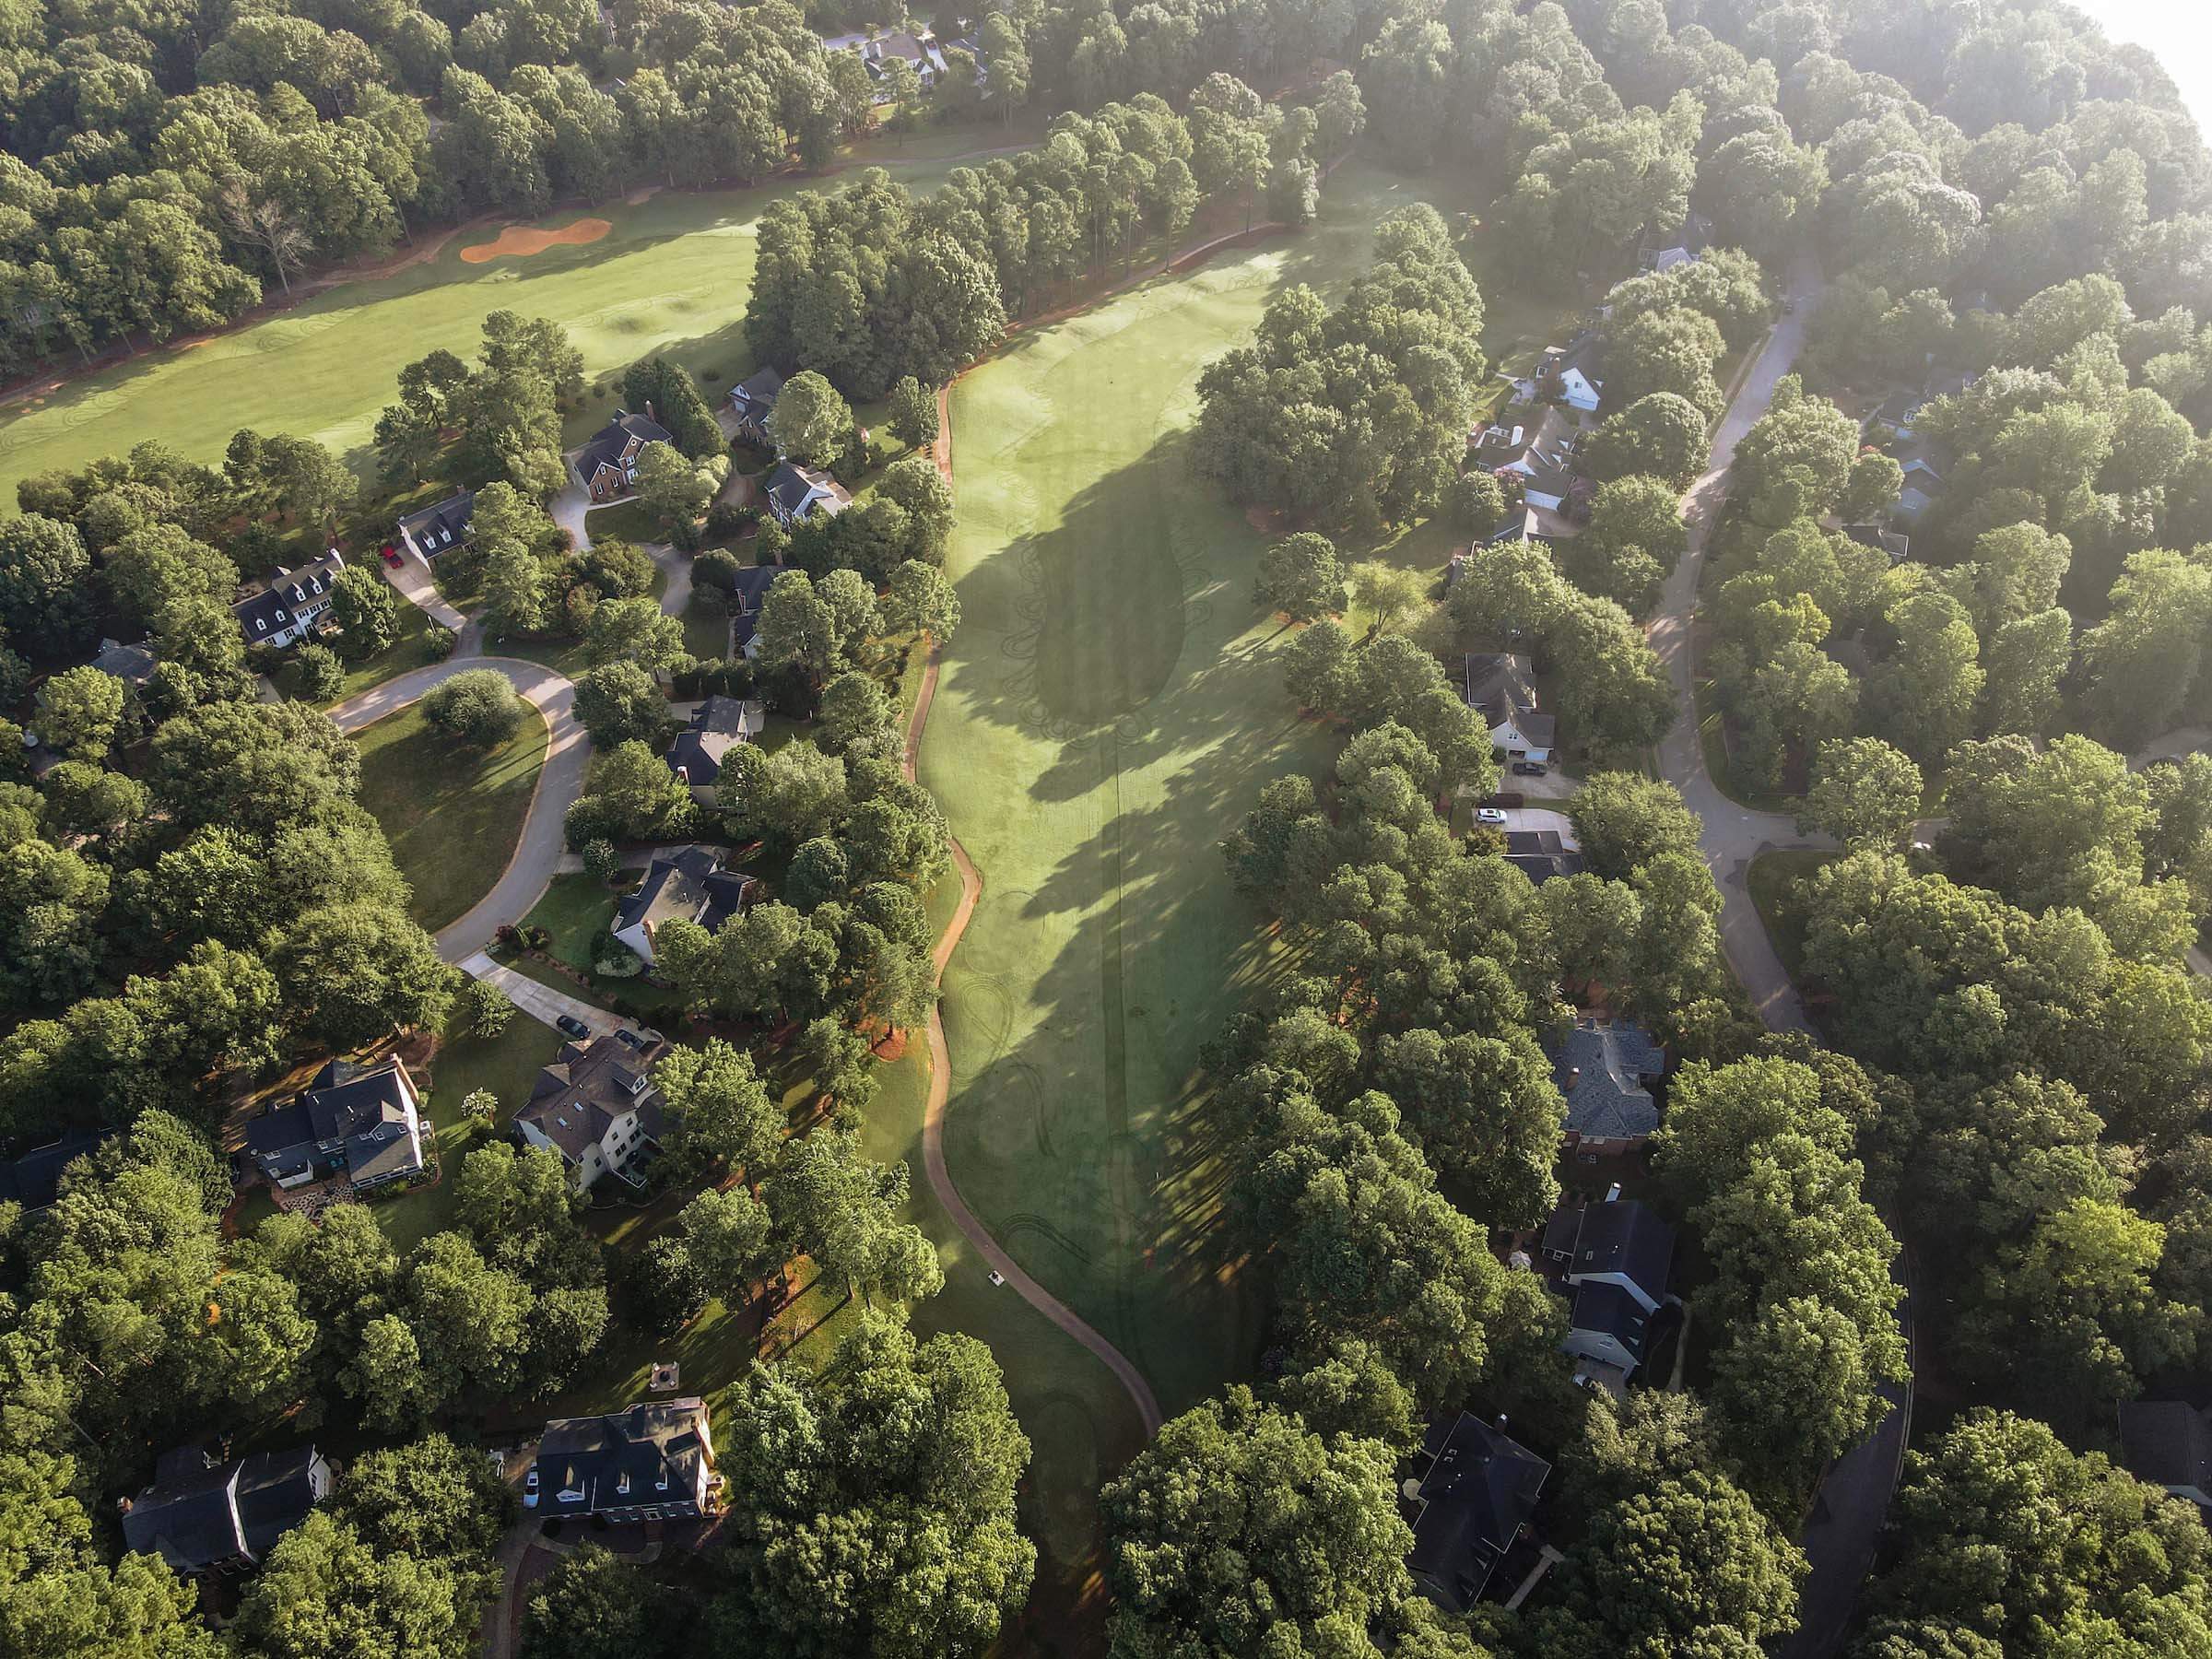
point(1493, 817)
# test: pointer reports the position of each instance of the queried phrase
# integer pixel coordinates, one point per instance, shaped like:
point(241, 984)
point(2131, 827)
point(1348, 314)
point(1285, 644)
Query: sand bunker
point(524, 240)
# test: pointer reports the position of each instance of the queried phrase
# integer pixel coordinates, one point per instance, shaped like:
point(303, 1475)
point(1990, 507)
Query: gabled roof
point(198, 1514)
point(793, 488)
point(752, 584)
point(34, 1180)
point(1500, 687)
point(1609, 1310)
point(2167, 1443)
point(718, 725)
point(1625, 1238)
point(688, 885)
point(1476, 1489)
point(443, 524)
point(370, 1111)
point(1586, 352)
point(613, 440)
point(132, 665)
point(653, 1452)
point(290, 592)
point(755, 395)
point(1601, 1069)
point(578, 1096)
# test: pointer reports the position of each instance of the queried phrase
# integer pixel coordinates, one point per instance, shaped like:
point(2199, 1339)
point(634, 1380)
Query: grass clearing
point(451, 812)
point(706, 626)
point(623, 521)
point(1773, 880)
point(507, 1065)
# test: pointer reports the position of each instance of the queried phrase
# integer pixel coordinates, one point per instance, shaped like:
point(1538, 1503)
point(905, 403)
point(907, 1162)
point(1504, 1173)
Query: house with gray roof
point(2169, 1443)
point(687, 885)
point(293, 604)
point(205, 1517)
point(132, 665)
point(654, 1462)
point(34, 1180)
point(596, 1110)
point(718, 725)
point(440, 527)
point(1543, 855)
point(608, 465)
point(364, 1122)
point(753, 400)
point(1468, 1499)
point(1501, 687)
point(1617, 1257)
point(796, 493)
point(1604, 1068)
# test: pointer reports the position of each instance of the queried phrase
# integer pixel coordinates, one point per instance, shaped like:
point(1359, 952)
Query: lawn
point(670, 275)
point(506, 1064)
point(1109, 707)
point(706, 627)
point(576, 909)
point(623, 521)
point(1773, 881)
point(451, 812)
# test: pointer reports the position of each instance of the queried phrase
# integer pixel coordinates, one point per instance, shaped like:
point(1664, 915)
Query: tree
point(1863, 793)
point(1927, 690)
point(1661, 434)
point(726, 1235)
point(486, 1010)
point(1385, 590)
point(324, 1592)
point(810, 424)
point(476, 706)
point(913, 414)
point(595, 1604)
point(1239, 1530)
point(920, 600)
point(725, 1110)
point(1624, 820)
point(798, 629)
point(833, 1204)
point(431, 1499)
point(633, 630)
point(1301, 577)
point(676, 489)
point(620, 702)
point(78, 710)
point(317, 672)
point(634, 796)
point(45, 583)
point(367, 612)
point(362, 969)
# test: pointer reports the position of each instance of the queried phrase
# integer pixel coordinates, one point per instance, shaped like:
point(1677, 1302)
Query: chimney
point(1613, 1194)
point(1574, 1075)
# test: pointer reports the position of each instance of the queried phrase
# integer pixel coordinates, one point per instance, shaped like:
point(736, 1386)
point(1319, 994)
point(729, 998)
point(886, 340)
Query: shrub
point(485, 1009)
point(439, 641)
point(716, 569)
point(322, 675)
point(601, 860)
point(476, 706)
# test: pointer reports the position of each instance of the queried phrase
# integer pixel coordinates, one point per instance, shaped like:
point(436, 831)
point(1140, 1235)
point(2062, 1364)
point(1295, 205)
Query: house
point(1925, 463)
point(1895, 543)
point(1543, 855)
point(718, 725)
point(365, 1120)
point(1615, 1274)
point(440, 527)
point(1502, 689)
point(34, 1180)
point(753, 400)
point(745, 597)
point(1525, 525)
point(1539, 457)
point(1897, 412)
point(293, 605)
point(794, 492)
point(132, 665)
point(1575, 373)
point(608, 465)
point(688, 885)
point(654, 1462)
point(1471, 1493)
point(2169, 1443)
point(1604, 1069)
point(201, 1516)
point(918, 47)
point(595, 1108)
point(1679, 244)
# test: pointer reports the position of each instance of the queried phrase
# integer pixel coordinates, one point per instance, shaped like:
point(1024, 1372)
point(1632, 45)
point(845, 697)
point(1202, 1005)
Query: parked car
point(390, 555)
point(1490, 816)
point(572, 1026)
point(1531, 769)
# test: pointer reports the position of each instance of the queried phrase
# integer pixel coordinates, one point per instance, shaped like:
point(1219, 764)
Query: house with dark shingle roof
point(1471, 1492)
point(596, 1110)
point(753, 400)
point(654, 1462)
point(2168, 1443)
point(795, 492)
point(1501, 688)
point(1617, 1268)
point(746, 595)
point(608, 465)
point(34, 1180)
point(293, 605)
point(688, 885)
point(363, 1120)
point(1663, 250)
point(201, 1516)
point(1543, 855)
point(132, 665)
point(1605, 1069)
point(440, 527)
point(718, 725)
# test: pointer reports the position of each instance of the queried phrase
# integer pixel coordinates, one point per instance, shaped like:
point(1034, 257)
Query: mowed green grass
point(1109, 707)
point(671, 275)
point(452, 812)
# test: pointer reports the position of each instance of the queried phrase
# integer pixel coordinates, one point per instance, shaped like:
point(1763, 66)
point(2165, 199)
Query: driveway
point(412, 578)
point(568, 509)
point(541, 1002)
point(538, 850)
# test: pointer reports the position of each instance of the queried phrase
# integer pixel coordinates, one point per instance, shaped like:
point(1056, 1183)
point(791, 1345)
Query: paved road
point(1840, 1535)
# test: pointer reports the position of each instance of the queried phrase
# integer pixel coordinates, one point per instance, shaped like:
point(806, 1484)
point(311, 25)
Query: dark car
point(572, 1026)
point(629, 1039)
point(1530, 769)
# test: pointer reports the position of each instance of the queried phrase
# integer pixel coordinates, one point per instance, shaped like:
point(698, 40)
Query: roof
point(372, 1109)
point(755, 395)
point(443, 524)
point(1881, 538)
point(688, 885)
point(1624, 1236)
point(198, 1514)
point(752, 584)
point(132, 665)
point(2167, 1443)
point(659, 1446)
point(275, 607)
point(718, 725)
point(1501, 686)
point(578, 1096)
point(1543, 854)
point(1586, 352)
point(34, 1180)
point(1607, 1310)
point(1601, 1068)
point(612, 441)
point(792, 486)
point(1477, 1487)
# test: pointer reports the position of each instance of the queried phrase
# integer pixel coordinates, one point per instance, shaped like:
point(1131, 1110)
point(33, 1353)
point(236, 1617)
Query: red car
point(391, 556)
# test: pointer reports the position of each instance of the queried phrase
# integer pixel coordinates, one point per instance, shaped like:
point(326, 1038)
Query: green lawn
point(623, 521)
point(706, 627)
point(1109, 706)
point(506, 1064)
point(451, 812)
point(1773, 880)
point(670, 277)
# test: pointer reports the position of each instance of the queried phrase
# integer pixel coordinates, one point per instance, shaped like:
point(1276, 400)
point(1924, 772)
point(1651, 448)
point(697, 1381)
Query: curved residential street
point(1840, 1534)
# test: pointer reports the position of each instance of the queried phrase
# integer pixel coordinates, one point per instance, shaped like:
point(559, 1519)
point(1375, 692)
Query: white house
point(795, 492)
point(1541, 457)
point(596, 1108)
point(1576, 374)
point(1502, 689)
point(440, 527)
point(293, 605)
